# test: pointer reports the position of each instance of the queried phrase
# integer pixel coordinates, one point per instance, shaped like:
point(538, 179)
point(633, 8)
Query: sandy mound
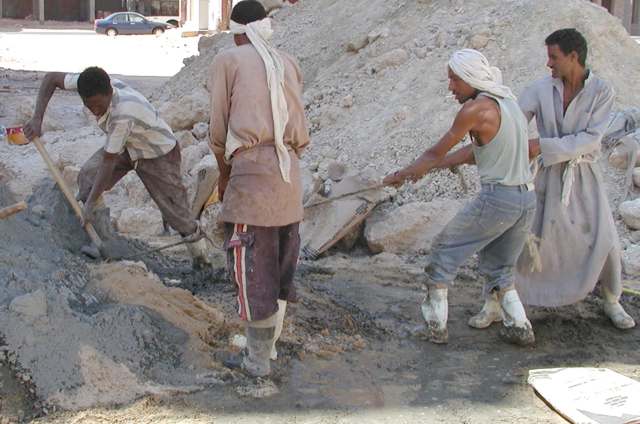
point(132, 284)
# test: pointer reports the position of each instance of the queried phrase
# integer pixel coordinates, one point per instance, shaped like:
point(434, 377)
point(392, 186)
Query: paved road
point(72, 50)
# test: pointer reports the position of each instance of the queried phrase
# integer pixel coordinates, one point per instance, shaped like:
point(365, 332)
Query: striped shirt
point(131, 123)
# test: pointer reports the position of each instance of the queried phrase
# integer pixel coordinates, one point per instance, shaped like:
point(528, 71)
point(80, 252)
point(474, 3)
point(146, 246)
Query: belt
point(520, 187)
point(245, 148)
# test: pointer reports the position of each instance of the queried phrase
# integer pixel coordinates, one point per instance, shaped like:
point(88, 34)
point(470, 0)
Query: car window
point(136, 19)
point(120, 19)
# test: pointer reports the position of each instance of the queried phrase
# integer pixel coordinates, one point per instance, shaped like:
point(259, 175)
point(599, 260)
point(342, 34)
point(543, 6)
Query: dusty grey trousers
point(495, 225)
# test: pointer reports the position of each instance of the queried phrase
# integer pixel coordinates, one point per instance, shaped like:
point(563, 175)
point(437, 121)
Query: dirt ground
point(392, 375)
point(352, 349)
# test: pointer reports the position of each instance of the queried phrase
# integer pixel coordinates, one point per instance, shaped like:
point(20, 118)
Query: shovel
point(55, 173)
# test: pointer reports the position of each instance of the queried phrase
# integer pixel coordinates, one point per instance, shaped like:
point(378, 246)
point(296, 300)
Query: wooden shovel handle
point(57, 176)
point(13, 209)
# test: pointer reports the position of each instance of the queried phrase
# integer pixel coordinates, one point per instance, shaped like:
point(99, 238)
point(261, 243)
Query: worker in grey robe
point(578, 245)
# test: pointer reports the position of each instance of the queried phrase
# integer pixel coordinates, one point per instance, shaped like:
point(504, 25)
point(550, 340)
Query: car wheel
point(112, 32)
point(157, 31)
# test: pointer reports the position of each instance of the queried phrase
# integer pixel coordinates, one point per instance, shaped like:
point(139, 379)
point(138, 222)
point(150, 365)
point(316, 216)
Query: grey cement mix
point(79, 351)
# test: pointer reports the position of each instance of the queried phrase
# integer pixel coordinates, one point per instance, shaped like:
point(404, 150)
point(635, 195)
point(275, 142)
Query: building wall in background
point(17, 9)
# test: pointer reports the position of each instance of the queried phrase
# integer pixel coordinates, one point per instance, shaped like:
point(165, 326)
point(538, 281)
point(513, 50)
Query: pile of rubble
point(376, 85)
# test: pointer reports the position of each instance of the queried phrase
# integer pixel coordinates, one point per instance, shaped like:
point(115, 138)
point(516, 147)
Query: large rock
point(630, 212)
point(409, 228)
point(184, 112)
point(143, 221)
point(631, 261)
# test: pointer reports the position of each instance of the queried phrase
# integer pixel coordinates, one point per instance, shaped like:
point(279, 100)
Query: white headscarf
point(259, 33)
point(474, 69)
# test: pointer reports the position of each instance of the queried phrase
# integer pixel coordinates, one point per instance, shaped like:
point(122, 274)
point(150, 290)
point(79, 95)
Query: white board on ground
point(589, 395)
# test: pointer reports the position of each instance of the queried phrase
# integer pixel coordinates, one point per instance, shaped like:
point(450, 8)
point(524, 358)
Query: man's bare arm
point(50, 82)
point(462, 156)
point(101, 183)
point(429, 160)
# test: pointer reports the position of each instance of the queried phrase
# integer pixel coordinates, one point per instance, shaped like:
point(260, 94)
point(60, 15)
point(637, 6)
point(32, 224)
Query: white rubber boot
point(517, 328)
point(435, 310)
point(491, 312)
point(618, 316)
point(282, 308)
point(198, 251)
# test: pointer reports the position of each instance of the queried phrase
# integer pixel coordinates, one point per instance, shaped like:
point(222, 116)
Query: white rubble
point(630, 212)
point(185, 139)
point(201, 130)
point(631, 261)
point(183, 113)
point(140, 221)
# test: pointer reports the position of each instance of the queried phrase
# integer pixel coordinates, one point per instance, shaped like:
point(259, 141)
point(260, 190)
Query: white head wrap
point(474, 69)
point(259, 33)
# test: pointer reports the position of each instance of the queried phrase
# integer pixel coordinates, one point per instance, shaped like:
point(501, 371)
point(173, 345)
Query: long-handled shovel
point(19, 139)
point(55, 173)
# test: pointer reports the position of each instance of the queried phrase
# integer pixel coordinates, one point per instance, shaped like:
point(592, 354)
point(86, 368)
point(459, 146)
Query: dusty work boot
point(259, 343)
point(491, 312)
point(516, 327)
point(435, 310)
point(618, 316)
point(282, 307)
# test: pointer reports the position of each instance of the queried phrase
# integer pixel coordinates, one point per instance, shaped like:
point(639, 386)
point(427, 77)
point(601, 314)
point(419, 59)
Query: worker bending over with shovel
point(137, 139)
point(495, 224)
point(258, 131)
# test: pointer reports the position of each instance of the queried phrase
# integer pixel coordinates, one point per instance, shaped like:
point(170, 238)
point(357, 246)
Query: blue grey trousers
point(495, 225)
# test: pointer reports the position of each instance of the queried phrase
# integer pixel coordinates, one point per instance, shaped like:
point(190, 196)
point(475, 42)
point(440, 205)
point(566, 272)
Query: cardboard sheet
point(589, 395)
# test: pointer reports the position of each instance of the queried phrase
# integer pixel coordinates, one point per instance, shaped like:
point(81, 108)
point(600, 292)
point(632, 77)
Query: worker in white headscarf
point(258, 131)
point(495, 224)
